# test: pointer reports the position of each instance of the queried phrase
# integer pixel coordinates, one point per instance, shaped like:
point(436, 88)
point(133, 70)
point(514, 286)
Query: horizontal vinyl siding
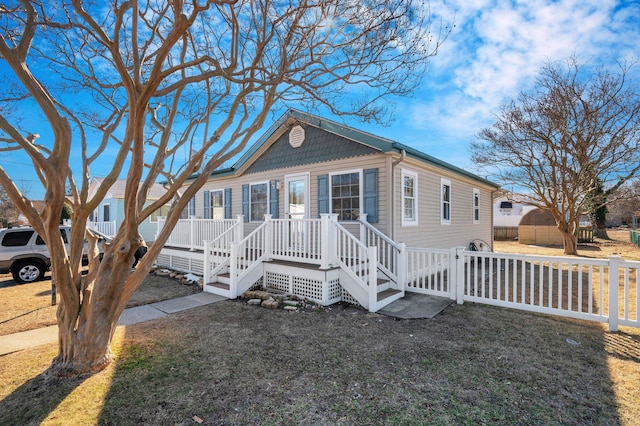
point(360, 163)
point(430, 233)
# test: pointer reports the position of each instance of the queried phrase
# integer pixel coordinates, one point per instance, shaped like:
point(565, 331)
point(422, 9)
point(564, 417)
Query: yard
point(230, 363)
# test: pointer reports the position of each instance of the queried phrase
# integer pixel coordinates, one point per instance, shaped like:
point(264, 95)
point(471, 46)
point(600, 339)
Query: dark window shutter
point(273, 199)
point(227, 203)
point(207, 205)
point(245, 202)
point(370, 195)
point(323, 194)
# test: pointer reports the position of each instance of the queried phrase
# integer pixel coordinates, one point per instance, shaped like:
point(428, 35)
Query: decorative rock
point(257, 294)
point(290, 308)
point(254, 301)
point(270, 303)
point(293, 303)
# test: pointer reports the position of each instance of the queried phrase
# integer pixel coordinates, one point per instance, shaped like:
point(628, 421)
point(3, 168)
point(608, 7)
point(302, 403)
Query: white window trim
point(474, 208)
point(211, 191)
point(265, 182)
point(414, 220)
point(444, 221)
point(360, 187)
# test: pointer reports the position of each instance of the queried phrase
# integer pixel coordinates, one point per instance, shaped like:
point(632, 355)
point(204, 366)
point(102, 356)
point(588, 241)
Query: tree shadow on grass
point(472, 364)
point(37, 398)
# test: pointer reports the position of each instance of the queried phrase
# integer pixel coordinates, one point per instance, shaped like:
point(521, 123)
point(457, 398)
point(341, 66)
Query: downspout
point(403, 155)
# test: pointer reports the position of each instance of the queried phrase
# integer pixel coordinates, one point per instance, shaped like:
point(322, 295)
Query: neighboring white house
point(110, 214)
point(509, 210)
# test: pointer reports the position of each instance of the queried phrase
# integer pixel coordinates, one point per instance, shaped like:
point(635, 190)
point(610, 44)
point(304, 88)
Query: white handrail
point(390, 253)
point(353, 256)
point(217, 252)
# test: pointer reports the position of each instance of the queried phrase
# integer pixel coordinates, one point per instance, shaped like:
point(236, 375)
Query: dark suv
point(24, 253)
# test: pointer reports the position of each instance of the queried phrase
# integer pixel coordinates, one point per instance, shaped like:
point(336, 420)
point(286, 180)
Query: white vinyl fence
point(603, 290)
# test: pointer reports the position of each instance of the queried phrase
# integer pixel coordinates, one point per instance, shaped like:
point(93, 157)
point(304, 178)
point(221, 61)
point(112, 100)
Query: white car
point(26, 256)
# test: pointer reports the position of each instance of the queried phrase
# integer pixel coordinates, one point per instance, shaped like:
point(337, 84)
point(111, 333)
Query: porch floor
point(415, 306)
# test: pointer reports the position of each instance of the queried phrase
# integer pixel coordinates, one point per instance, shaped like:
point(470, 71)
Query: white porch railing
point(106, 228)
point(605, 290)
point(298, 240)
point(192, 233)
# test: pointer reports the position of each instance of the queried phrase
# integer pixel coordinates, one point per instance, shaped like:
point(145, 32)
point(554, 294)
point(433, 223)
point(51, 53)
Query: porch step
point(383, 285)
point(388, 293)
point(224, 278)
point(222, 286)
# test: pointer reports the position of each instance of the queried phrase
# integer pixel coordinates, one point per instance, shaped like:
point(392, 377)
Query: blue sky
point(495, 50)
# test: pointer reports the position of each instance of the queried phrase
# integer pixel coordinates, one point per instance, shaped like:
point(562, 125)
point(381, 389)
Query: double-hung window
point(409, 198)
point(476, 206)
point(445, 209)
point(258, 201)
point(345, 195)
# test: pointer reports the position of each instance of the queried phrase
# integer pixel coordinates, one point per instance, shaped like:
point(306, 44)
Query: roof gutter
point(403, 155)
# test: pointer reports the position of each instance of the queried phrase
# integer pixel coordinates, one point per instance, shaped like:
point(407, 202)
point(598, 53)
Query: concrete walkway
point(41, 336)
point(416, 306)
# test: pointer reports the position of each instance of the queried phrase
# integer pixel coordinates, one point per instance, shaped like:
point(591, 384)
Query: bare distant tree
point(8, 212)
point(626, 204)
point(146, 81)
point(570, 142)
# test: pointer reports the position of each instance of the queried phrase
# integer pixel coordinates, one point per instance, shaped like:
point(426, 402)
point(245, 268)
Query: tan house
point(538, 227)
point(319, 195)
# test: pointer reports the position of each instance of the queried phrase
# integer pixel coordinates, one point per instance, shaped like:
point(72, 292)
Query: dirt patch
point(28, 306)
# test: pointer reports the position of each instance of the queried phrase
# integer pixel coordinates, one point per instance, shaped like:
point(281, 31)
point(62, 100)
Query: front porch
point(317, 259)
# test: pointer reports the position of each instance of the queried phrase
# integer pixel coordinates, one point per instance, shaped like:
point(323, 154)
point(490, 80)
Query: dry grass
point(234, 364)
point(28, 306)
point(618, 244)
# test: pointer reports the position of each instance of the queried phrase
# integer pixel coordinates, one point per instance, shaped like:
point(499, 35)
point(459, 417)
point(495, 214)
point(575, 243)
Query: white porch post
point(191, 232)
point(363, 229)
point(239, 229)
point(402, 266)
point(458, 277)
point(324, 240)
point(159, 228)
point(207, 264)
point(372, 256)
point(614, 266)
point(268, 237)
point(233, 271)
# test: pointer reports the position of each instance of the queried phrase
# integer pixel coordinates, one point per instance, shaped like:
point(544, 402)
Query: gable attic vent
point(296, 136)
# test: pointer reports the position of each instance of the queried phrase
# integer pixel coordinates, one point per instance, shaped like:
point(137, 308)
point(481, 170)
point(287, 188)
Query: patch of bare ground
point(28, 306)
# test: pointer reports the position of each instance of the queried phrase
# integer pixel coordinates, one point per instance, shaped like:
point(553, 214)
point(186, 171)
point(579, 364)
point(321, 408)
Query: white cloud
point(497, 49)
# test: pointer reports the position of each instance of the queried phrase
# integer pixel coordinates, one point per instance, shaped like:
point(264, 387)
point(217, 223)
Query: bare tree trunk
point(84, 335)
point(570, 243)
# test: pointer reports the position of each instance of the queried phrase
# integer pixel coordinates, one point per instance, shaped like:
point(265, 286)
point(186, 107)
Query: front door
point(297, 208)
